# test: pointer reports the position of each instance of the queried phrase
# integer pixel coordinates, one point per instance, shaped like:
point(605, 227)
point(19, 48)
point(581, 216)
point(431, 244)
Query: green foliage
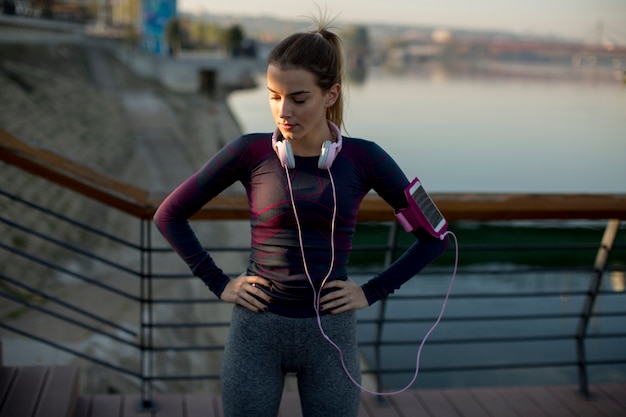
point(356, 38)
point(174, 34)
point(203, 34)
point(233, 36)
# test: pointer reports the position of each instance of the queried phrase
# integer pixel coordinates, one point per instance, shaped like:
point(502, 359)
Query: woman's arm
point(171, 218)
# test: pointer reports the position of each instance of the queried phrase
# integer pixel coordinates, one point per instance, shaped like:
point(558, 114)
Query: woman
point(304, 184)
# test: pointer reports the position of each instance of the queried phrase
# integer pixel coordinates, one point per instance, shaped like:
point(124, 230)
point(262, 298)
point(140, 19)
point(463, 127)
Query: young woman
point(304, 184)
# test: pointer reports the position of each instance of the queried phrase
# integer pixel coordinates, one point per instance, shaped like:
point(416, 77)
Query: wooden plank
point(169, 405)
point(495, 405)
point(83, 407)
point(613, 392)
point(7, 374)
point(606, 405)
point(408, 405)
point(130, 406)
point(219, 407)
point(106, 405)
point(565, 395)
point(363, 412)
point(521, 403)
point(464, 403)
point(60, 392)
point(199, 405)
point(493, 402)
point(582, 407)
point(547, 402)
point(436, 403)
point(378, 406)
point(24, 392)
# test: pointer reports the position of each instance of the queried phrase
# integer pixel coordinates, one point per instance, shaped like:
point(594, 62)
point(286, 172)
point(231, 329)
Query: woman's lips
point(287, 126)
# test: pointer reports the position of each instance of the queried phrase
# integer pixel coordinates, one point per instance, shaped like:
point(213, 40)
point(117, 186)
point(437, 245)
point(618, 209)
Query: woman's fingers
point(248, 292)
point(346, 296)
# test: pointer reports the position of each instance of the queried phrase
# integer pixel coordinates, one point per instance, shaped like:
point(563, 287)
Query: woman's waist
point(294, 295)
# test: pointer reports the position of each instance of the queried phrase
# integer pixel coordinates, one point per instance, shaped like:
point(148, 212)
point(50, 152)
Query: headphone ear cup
point(285, 154)
point(328, 154)
point(322, 162)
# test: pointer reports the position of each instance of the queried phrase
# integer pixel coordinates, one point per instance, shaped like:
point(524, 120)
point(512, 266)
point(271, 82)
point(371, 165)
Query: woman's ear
point(332, 94)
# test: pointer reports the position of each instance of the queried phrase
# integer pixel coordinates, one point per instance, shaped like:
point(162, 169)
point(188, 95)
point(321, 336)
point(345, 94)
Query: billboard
point(155, 15)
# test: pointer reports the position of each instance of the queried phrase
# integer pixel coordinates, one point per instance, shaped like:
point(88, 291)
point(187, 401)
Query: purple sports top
point(275, 252)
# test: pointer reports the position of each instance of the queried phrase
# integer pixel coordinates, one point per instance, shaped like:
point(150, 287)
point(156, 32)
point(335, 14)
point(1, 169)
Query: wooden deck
point(608, 400)
point(38, 391)
point(52, 392)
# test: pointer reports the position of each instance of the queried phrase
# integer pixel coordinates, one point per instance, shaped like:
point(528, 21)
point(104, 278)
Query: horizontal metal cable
point(71, 351)
point(69, 272)
point(69, 306)
point(67, 319)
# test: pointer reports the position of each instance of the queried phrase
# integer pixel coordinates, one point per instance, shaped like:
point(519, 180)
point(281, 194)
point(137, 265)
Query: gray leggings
point(263, 347)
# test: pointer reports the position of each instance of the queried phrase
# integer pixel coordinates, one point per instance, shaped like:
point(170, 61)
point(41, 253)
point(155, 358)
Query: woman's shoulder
point(257, 135)
point(360, 145)
point(253, 137)
point(250, 142)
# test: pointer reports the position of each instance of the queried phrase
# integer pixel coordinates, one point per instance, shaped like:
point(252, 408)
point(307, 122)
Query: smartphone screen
point(428, 207)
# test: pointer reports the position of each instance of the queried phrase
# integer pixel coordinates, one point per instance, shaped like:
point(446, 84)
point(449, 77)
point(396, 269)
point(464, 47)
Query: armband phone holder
point(421, 211)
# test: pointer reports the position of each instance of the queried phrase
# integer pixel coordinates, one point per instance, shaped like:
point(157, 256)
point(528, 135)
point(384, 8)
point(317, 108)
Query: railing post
point(146, 402)
point(382, 309)
point(602, 257)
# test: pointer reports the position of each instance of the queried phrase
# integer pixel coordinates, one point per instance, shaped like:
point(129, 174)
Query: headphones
point(328, 154)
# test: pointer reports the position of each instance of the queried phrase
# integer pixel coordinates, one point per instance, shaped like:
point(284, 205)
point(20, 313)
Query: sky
point(576, 19)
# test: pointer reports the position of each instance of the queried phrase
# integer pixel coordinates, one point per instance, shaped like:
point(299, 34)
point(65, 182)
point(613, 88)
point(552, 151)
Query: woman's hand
point(347, 296)
point(244, 290)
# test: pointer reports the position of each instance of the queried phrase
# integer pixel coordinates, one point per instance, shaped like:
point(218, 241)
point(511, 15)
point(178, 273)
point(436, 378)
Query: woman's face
point(299, 105)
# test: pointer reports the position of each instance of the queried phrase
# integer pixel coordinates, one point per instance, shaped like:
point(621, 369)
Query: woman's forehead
point(290, 80)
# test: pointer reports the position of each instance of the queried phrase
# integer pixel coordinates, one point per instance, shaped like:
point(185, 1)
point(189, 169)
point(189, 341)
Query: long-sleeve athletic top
point(275, 252)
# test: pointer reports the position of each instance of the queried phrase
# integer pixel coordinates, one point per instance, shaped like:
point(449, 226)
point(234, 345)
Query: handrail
point(455, 206)
point(139, 204)
point(599, 266)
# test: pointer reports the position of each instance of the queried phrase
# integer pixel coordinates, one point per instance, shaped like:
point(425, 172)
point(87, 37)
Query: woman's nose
point(284, 109)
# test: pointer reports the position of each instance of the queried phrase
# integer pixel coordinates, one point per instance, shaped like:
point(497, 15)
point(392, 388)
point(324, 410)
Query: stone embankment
point(121, 113)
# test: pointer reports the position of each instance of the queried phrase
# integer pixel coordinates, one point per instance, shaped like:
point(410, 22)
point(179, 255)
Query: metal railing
point(134, 274)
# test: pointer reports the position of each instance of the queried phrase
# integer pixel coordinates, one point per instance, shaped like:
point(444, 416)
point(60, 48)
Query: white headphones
point(327, 156)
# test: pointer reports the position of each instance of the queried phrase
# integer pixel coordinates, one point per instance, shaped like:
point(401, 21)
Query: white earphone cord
point(317, 294)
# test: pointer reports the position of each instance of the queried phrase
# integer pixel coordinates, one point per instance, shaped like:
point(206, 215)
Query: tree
point(204, 34)
point(357, 44)
point(174, 35)
point(356, 39)
point(233, 37)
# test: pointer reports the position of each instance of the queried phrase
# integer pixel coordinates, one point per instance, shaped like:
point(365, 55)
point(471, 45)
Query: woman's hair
point(319, 52)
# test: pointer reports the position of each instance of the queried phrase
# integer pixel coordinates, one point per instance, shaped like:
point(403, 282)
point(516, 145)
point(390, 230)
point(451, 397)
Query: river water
point(511, 129)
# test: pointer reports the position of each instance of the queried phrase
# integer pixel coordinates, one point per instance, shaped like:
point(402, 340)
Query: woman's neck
point(311, 146)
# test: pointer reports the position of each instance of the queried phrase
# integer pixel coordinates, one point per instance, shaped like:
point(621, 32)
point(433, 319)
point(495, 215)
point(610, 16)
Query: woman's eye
point(299, 101)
